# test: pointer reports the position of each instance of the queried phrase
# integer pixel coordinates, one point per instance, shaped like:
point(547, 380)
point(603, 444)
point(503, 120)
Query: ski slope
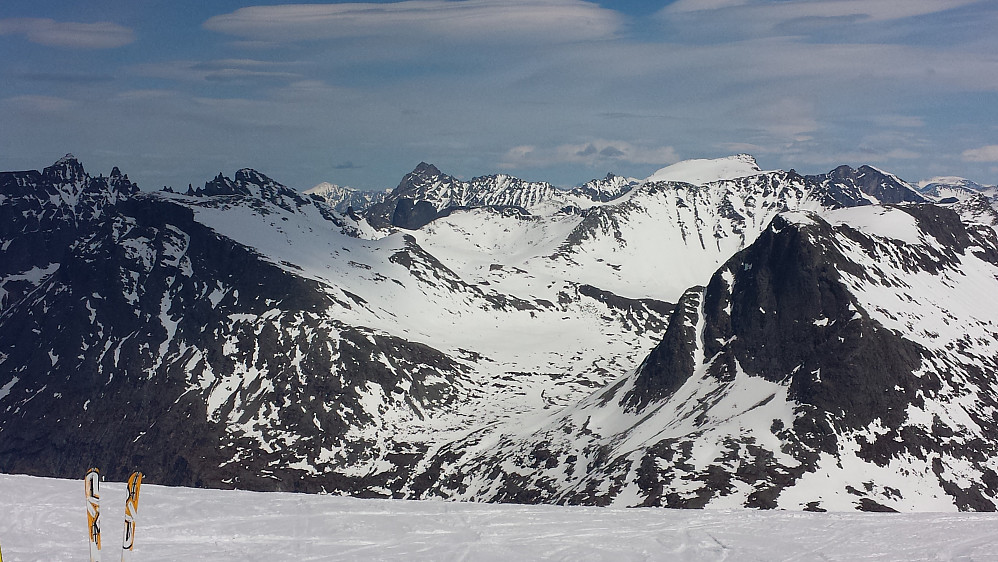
point(45, 519)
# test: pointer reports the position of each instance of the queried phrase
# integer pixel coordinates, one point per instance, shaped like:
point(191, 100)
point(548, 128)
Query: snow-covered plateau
point(44, 520)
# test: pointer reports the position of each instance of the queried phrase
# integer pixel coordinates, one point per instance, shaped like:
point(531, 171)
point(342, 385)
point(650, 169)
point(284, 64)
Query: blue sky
point(174, 92)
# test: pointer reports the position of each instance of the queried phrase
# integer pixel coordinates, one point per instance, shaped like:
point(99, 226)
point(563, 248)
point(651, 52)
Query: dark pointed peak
point(422, 174)
point(841, 172)
point(249, 175)
point(425, 169)
point(121, 183)
point(65, 170)
point(220, 185)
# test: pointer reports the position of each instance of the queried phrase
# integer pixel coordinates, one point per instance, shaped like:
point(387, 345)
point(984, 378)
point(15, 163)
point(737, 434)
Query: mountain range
point(715, 335)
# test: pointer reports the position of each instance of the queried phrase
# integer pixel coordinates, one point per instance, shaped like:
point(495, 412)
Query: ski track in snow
point(45, 519)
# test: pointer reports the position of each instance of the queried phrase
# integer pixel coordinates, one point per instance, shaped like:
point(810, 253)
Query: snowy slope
point(653, 242)
point(44, 520)
point(701, 171)
point(656, 239)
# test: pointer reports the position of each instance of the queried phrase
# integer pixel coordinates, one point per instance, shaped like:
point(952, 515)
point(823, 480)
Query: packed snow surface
point(700, 171)
point(45, 519)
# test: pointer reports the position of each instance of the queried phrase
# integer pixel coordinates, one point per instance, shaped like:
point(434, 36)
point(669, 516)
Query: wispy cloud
point(65, 77)
point(546, 21)
point(987, 153)
point(899, 121)
point(590, 154)
point(41, 104)
point(782, 11)
point(223, 70)
point(76, 35)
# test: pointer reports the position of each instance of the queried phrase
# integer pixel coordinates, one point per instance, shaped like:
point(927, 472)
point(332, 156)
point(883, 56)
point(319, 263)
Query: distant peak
point(66, 169)
point(944, 180)
point(705, 170)
point(425, 169)
point(250, 175)
point(325, 188)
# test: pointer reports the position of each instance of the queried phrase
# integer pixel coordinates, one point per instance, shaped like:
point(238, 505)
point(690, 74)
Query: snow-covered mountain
point(699, 171)
point(840, 361)
point(975, 202)
point(943, 187)
point(43, 213)
point(254, 338)
point(426, 194)
point(504, 340)
point(343, 198)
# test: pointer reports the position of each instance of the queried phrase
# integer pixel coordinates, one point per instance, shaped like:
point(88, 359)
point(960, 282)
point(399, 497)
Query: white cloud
point(544, 21)
point(222, 70)
point(41, 104)
point(855, 157)
point(786, 118)
point(987, 153)
point(867, 10)
point(899, 121)
point(43, 31)
point(593, 153)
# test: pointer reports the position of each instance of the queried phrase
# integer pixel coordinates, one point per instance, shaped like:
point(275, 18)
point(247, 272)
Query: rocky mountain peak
point(425, 169)
point(219, 185)
point(250, 175)
point(65, 170)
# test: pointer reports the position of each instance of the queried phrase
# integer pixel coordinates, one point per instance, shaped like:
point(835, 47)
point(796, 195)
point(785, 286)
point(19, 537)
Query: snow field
point(45, 520)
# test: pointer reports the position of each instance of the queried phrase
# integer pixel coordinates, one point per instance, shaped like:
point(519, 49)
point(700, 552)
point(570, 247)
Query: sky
point(175, 91)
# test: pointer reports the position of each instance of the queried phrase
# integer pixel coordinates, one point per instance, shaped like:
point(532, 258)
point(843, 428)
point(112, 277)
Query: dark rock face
point(413, 215)
point(43, 214)
point(785, 284)
point(848, 187)
point(407, 205)
point(672, 362)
